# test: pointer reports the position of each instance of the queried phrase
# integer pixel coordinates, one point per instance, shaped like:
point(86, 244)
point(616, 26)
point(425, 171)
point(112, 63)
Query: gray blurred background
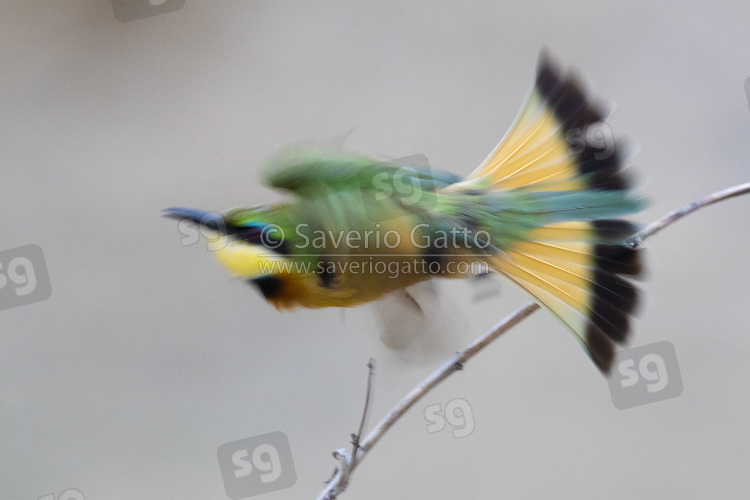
point(147, 356)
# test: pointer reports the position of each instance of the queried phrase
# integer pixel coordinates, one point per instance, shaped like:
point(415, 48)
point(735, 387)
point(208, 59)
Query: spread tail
point(552, 193)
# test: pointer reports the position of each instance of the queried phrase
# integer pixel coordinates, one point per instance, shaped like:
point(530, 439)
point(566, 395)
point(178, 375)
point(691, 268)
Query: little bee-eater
point(544, 209)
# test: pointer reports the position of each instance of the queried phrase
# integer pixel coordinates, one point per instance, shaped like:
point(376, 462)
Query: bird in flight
point(545, 209)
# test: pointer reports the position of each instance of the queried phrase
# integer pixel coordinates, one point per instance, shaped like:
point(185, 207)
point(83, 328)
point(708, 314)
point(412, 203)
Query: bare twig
point(340, 478)
point(452, 365)
point(336, 485)
point(357, 439)
point(678, 214)
point(349, 461)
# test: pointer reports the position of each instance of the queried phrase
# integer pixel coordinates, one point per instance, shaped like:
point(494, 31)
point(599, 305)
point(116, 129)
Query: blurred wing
point(312, 171)
point(416, 323)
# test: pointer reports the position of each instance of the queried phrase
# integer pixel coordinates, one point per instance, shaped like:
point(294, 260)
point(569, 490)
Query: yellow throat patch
point(246, 260)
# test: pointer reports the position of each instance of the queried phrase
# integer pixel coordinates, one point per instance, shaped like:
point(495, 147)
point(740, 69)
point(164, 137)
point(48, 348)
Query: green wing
point(312, 172)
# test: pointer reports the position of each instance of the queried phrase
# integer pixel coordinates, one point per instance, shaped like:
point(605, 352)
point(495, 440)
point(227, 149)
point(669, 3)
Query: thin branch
point(452, 365)
point(678, 214)
point(336, 485)
point(357, 439)
point(340, 478)
point(349, 461)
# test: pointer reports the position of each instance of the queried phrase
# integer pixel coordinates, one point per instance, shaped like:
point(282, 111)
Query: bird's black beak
point(210, 220)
